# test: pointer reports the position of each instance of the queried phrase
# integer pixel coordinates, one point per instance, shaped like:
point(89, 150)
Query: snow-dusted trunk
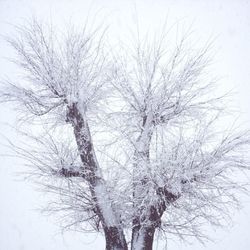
point(142, 239)
point(146, 218)
point(143, 235)
point(114, 235)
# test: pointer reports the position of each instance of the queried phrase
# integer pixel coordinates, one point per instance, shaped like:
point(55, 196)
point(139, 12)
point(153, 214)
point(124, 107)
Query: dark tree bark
point(143, 236)
point(115, 240)
point(114, 235)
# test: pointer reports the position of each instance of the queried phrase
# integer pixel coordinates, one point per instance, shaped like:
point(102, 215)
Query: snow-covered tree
point(127, 140)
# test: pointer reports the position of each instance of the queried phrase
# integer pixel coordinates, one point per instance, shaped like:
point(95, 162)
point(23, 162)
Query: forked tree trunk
point(142, 237)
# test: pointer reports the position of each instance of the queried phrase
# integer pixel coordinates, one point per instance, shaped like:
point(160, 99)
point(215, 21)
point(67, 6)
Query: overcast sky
point(23, 228)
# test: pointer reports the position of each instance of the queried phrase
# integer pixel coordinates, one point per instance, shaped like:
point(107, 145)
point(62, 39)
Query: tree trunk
point(115, 239)
point(143, 231)
point(142, 238)
point(114, 235)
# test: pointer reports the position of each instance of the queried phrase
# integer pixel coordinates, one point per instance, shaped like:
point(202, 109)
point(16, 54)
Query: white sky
point(22, 228)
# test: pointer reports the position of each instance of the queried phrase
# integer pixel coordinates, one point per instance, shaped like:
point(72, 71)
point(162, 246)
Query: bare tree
point(127, 141)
